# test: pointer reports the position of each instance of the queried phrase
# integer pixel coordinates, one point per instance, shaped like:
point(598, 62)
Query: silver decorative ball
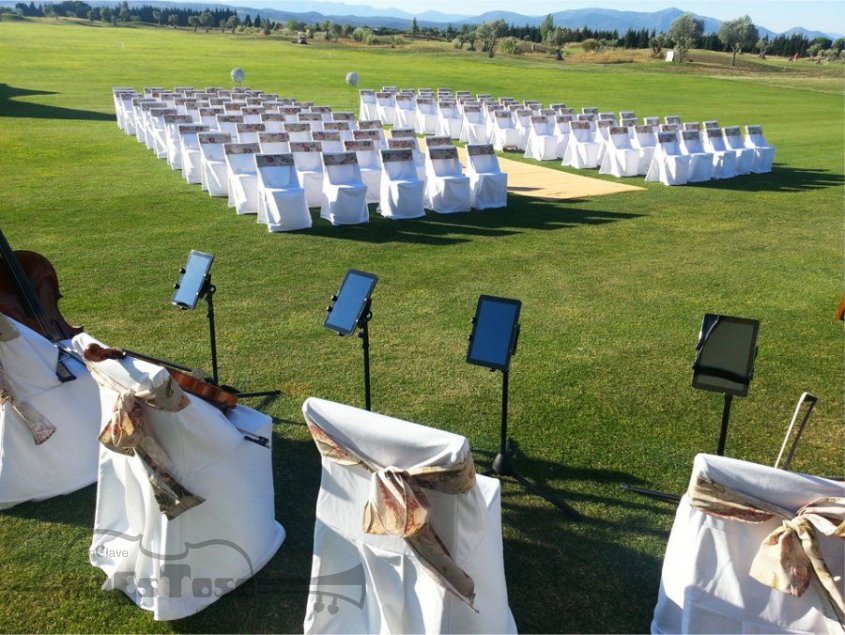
point(352, 78)
point(237, 75)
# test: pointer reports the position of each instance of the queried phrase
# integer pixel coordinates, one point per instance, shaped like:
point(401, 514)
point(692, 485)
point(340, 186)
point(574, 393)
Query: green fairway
point(613, 292)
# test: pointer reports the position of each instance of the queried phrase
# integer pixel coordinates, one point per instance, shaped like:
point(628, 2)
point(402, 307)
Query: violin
point(29, 292)
point(215, 395)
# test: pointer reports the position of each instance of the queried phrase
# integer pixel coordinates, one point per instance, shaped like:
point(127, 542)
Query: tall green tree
point(193, 21)
point(546, 26)
point(685, 32)
point(737, 35)
point(207, 20)
point(415, 29)
point(555, 39)
point(173, 20)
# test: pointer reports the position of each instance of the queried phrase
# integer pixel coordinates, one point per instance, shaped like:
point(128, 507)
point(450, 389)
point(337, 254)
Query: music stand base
point(503, 468)
point(653, 493)
point(263, 393)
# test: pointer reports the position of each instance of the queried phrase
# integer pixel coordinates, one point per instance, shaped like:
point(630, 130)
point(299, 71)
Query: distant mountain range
point(362, 15)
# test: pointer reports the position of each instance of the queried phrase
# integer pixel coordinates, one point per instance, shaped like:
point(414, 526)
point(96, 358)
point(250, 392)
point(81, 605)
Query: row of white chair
point(279, 173)
point(544, 134)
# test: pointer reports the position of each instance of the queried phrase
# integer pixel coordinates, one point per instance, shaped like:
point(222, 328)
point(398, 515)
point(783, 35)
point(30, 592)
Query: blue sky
point(777, 15)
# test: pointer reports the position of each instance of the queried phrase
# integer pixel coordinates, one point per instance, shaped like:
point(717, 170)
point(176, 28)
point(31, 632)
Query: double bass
point(29, 293)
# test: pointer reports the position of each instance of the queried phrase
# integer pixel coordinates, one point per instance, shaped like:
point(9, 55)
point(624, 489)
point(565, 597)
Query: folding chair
point(427, 117)
point(542, 144)
point(191, 158)
point(504, 133)
point(242, 177)
point(375, 126)
point(281, 199)
point(344, 192)
point(213, 172)
point(449, 120)
point(488, 184)
point(764, 154)
point(402, 192)
point(447, 190)
point(309, 169)
point(473, 127)
point(274, 142)
point(248, 132)
point(582, 151)
point(369, 163)
point(620, 158)
point(406, 111)
point(669, 165)
point(387, 583)
point(173, 139)
point(386, 107)
point(367, 108)
point(645, 140)
point(329, 140)
point(724, 160)
point(745, 156)
point(701, 162)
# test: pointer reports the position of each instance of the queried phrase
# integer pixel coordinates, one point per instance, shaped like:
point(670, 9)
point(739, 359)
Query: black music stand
point(194, 284)
point(495, 332)
point(351, 309)
point(724, 363)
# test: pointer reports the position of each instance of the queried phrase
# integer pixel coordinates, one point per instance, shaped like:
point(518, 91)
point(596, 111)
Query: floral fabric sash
point(39, 426)
point(129, 433)
point(789, 558)
point(398, 506)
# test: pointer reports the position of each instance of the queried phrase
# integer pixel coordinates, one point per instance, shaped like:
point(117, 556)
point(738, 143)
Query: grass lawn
point(613, 290)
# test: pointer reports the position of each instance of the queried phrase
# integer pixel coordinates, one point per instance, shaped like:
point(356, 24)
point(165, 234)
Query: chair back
point(276, 170)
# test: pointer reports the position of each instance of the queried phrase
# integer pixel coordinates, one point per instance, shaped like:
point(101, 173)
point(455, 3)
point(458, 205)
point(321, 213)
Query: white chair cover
point(344, 192)
point(242, 177)
point(248, 132)
point(67, 459)
point(645, 140)
point(474, 127)
point(706, 586)
point(668, 164)
point(405, 143)
point(299, 131)
point(191, 157)
point(396, 594)
point(488, 184)
point(620, 158)
point(274, 142)
point(273, 122)
point(724, 160)
point(281, 199)
point(309, 170)
point(367, 106)
point(764, 154)
point(504, 132)
point(313, 119)
point(371, 130)
point(582, 151)
point(342, 128)
point(174, 140)
point(329, 140)
point(229, 124)
point(213, 171)
point(158, 129)
point(369, 162)
point(745, 156)
point(449, 120)
point(427, 116)
point(447, 190)
point(402, 192)
point(406, 111)
point(177, 567)
point(386, 108)
point(562, 132)
point(542, 144)
point(701, 162)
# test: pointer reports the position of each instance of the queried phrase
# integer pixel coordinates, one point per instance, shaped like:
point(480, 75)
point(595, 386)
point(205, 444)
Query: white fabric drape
point(385, 588)
point(706, 586)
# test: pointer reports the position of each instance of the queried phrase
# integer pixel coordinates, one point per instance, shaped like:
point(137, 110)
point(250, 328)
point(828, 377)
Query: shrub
point(511, 46)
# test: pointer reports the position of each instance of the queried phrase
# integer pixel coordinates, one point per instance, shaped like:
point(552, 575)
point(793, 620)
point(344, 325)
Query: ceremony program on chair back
point(669, 165)
point(299, 131)
point(281, 199)
point(488, 184)
point(274, 142)
point(48, 428)
point(248, 132)
point(401, 191)
point(242, 177)
point(214, 177)
point(309, 169)
point(185, 506)
point(764, 154)
point(447, 190)
point(753, 549)
point(745, 156)
point(381, 578)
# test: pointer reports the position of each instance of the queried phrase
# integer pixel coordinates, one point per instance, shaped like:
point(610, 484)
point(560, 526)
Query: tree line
point(734, 36)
